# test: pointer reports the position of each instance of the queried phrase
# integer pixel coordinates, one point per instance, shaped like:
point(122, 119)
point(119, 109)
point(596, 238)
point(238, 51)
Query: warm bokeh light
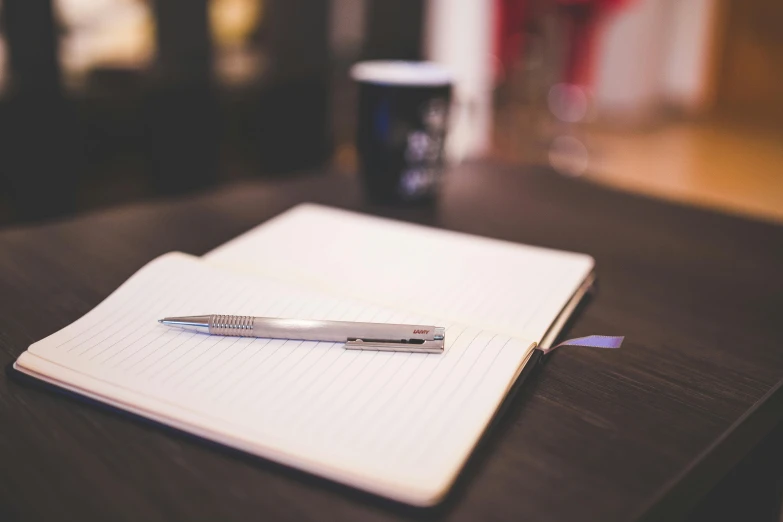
point(232, 21)
point(116, 33)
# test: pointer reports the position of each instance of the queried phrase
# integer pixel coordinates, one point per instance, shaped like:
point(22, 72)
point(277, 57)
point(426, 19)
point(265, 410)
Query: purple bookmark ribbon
point(591, 341)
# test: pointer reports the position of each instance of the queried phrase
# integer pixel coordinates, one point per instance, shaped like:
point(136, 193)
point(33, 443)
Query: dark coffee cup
point(401, 133)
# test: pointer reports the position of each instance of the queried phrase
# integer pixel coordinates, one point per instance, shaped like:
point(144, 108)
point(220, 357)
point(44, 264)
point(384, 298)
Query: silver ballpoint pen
point(356, 336)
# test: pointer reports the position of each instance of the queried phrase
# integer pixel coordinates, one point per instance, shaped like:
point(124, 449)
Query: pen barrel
point(314, 330)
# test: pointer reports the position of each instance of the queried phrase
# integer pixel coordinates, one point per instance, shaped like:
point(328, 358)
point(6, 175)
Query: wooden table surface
point(603, 435)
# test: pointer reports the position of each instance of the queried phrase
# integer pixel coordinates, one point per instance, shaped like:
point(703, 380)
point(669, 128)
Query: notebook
point(399, 425)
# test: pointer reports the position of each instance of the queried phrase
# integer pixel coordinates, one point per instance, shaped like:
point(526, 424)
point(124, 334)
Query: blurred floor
point(731, 168)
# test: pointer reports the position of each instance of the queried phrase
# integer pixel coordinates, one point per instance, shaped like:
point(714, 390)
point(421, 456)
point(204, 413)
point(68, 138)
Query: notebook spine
point(235, 325)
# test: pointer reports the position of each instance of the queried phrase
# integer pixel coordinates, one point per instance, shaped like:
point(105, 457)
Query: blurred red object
point(509, 33)
point(581, 17)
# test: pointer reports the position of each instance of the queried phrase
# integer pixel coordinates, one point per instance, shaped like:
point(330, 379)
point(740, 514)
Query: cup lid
point(393, 72)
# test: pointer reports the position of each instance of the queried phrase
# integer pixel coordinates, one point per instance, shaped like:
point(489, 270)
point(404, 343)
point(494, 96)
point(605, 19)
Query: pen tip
point(160, 321)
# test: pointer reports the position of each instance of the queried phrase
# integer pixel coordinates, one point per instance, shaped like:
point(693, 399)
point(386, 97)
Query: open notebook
point(399, 425)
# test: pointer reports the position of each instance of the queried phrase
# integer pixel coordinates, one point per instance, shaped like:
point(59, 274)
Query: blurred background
point(109, 101)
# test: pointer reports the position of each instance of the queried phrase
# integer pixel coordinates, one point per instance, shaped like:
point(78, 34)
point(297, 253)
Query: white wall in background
point(458, 34)
point(629, 59)
point(653, 52)
point(686, 76)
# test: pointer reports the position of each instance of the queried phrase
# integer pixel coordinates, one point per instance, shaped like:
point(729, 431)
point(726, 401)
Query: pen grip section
point(235, 325)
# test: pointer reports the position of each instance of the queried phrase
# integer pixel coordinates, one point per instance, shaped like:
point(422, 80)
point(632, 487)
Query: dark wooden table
point(644, 431)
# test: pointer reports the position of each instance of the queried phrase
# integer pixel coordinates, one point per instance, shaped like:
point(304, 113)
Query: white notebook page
point(396, 424)
point(503, 287)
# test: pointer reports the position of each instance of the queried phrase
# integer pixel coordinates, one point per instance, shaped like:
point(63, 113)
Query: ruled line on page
point(394, 413)
point(382, 410)
point(257, 343)
point(200, 344)
point(233, 379)
point(282, 377)
point(364, 391)
point(396, 433)
point(247, 294)
point(258, 346)
point(236, 386)
point(453, 408)
point(134, 326)
point(109, 318)
point(314, 398)
point(182, 374)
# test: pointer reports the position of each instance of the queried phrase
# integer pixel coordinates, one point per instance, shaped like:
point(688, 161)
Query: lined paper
point(397, 424)
point(517, 290)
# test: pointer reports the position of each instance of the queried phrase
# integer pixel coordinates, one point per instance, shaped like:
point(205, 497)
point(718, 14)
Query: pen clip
point(417, 346)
